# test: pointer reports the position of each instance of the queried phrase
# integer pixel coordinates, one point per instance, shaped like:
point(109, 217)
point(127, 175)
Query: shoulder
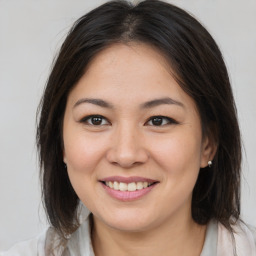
point(243, 240)
point(30, 247)
point(51, 243)
point(252, 233)
point(47, 243)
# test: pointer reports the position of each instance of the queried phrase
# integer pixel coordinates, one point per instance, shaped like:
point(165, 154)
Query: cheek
point(83, 155)
point(179, 159)
point(179, 156)
point(82, 152)
point(179, 149)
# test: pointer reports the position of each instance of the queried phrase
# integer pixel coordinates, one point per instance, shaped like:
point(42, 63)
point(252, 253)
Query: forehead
point(134, 71)
point(131, 51)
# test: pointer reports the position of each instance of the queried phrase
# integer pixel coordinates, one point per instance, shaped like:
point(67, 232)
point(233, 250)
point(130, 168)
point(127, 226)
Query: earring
point(65, 166)
point(210, 164)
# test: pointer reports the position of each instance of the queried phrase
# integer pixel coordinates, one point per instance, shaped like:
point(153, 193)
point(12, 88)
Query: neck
point(170, 237)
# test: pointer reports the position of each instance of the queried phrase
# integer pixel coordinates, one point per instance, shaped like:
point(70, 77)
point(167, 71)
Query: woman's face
point(133, 140)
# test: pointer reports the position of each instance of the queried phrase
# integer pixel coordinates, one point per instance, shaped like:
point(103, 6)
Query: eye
point(95, 120)
point(161, 121)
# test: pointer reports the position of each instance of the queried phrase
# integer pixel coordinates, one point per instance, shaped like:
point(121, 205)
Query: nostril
point(127, 154)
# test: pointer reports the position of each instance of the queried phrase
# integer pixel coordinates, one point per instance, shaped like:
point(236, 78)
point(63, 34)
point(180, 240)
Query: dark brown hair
point(200, 71)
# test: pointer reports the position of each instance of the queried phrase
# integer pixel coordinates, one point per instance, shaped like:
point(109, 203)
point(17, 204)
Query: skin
point(127, 143)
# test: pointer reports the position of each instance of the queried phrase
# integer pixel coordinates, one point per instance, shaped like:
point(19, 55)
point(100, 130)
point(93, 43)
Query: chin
point(129, 221)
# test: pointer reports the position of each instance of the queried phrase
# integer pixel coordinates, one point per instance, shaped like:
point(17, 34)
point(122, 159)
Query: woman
point(138, 123)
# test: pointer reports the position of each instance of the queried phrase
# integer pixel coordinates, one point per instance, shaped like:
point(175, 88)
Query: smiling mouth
point(128, 189)
point(132, 186)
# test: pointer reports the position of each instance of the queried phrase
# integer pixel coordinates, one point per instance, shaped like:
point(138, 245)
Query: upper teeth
point(127, 187)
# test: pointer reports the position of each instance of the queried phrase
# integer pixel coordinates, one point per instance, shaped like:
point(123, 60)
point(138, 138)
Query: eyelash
point(87, 118)
point(168, 120)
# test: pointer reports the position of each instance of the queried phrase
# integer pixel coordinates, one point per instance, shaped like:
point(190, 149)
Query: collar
point(218, 240)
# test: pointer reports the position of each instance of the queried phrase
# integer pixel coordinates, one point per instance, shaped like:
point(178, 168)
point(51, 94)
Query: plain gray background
point(31, 32)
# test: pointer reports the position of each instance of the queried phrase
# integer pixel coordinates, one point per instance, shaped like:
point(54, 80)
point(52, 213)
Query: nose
point(127, 148)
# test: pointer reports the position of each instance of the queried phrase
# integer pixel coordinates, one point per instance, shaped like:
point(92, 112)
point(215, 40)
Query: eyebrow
point(145, 105)
point(161, 101)
point(97, 102)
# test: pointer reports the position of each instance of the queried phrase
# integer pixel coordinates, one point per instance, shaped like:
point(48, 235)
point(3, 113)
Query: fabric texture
point(218, 242)
point(244, 239)
point(211, 239)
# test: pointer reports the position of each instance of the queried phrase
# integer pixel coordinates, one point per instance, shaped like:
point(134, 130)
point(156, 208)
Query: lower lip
point(128, 195)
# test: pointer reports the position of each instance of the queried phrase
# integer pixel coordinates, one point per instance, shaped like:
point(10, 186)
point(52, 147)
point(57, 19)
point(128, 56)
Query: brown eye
point(94, 120)
point(161, 121)
point(157, 121)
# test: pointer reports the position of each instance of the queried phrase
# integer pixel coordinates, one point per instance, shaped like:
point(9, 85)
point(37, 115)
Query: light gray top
point(78, 247)
point(218, 242)
point(211, 239)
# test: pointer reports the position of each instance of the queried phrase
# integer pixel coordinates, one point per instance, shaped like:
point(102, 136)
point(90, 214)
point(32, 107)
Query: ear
point(208, 151)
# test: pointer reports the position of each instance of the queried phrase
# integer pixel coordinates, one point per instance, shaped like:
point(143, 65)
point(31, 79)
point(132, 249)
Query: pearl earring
point(210, 164)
